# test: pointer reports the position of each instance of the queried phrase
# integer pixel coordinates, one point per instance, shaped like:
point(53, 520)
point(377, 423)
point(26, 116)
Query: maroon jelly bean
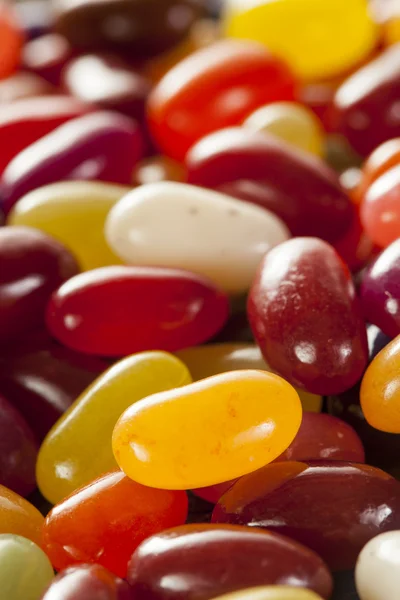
point(88, 582)
point(258, 168)
point(333, 508)
point(47, 56)
point(199, 562)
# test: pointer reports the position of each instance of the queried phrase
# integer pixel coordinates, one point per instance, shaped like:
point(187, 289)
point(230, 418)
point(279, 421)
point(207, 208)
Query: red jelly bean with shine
point(106, 520)
point(215, 87)
point(88, 582)
point(306, 318)
point(115, 311)
point(253, 166)
point(47, 56)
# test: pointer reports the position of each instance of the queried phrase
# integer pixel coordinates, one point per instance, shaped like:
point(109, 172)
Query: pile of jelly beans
point(199, 300)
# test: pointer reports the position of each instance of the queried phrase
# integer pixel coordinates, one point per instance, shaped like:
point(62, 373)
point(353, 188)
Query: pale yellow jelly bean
point(25, 570)
point(291, 122)
point(272, 592)
point(207, 432)
point(74, 213)
point(78, 448)
point(212, 359)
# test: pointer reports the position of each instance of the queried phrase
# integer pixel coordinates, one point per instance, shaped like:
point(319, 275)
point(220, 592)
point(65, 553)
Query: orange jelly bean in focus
point(18, 516)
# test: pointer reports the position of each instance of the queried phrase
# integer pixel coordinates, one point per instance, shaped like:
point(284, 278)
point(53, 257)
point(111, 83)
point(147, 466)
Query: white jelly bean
point(377, 571)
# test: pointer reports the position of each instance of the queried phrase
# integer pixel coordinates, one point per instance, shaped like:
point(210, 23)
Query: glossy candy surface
point(207, 432)
point(209, 560)
point(208, 233)
point(89, 582)
point(33, 265)
point(303, 296)
point(272, 592)
point(11, 40)
point(47, 56)
point(103, 146)
point(377, 571)
point(157, 168)
point(25, 570)
point(306, 32)
point(78, 447)
point(254, 167)
point(73, 212)
point(334, 508)
point(18, 516)
point(23, 85)
point(119, 310)
point(383, 158)
point(105, 521)
point(215, 87)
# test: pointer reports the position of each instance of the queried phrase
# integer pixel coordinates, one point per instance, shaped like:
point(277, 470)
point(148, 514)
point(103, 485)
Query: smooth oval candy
point(272, 592)
point(208, 233)
point(78, 447)
point(25, 570)
point(207, 432)
point(115, 311)
point(199, 562)
point(306, 318)
point(377, 571)
point(20, 517)
point(73, 212)
point(254, 167)
point(106, 520)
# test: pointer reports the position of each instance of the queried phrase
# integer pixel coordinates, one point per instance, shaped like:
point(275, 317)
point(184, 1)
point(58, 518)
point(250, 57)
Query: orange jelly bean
point(209, 431)
point(10, 42)
point(18, 516)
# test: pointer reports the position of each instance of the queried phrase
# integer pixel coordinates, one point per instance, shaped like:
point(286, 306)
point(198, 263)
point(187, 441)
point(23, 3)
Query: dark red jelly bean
point(33, 265)
point(365, 107)
point(333, 508)
point(253, 166)
point(199, 562)
point(306, 318)
point(18, 449)
point(23, 85)
point(102, 146)
point(116, 311)
point(47, 56)
point(88, 582)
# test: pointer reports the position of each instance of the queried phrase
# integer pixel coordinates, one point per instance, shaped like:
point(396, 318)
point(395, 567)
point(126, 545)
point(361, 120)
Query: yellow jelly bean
point(207, 432)
point(291, 122)
point(272, 592)
point(78, 447)
point(74, 213)
point(318, 38)
point(392, 29)
point(212, 359)
point(25, 570)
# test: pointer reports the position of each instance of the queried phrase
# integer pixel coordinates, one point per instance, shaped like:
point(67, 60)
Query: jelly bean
point(291, 122)
point(108, 83)
point(272, 592)
point(380, 291)
point(392, 29)
point(208, 233)
point(47, 56)
point(384, 157)
point(209, 431)
point(25, 570)
point(18, 451)
point(102, 146)
point(332, 507)
point(10, 41)
point(365, 105)
point(254, 167)
point(34, 17)
point(78, 447)
point(318, 96)
point(380, 210)
point(377, 569)
point(42, 379)
point(119, 310)
point(33, 265)
point(25, 121)
point(215, 87)
point(202, 561)
point(18, 516)
point(156, 169)
point(302, 297)
point(23, 85)
point(306, 33)
point(212, 359)
point(141, 29)
point(89, 582)
point(73, 212)
point(355, 247)
point(106, 520)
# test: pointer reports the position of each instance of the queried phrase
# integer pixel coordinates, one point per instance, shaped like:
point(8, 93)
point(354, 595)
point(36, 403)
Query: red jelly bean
point(333, 508)
point(10, 41)
point(115, 311)
point(101, 146)
point(355, 247)
point(23, 85)
point(106, 520)
point(253, 166)
point(199, 562)
point(306, 318)
point(33, 265)
point(213, 88)
point(25, 121)
point(46, 56)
